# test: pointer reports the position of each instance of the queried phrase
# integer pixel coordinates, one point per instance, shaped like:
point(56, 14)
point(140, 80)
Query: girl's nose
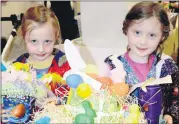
point(143, 40)
point(41, 48)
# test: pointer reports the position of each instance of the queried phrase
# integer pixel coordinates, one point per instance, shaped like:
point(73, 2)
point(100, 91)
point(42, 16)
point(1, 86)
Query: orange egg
point(105, 81)
point(93, 75)
point(120, 89)
point(18, 111)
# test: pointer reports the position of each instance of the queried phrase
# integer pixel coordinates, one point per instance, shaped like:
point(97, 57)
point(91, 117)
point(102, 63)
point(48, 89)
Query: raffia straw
point(71, 111)
point(152, 97)
point(147, 102)
point(58, 114)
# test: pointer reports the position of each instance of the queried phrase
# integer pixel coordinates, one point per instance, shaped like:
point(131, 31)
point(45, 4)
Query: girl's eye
point(48, 41)
point(34, 41)
point(137, 32)
point(152, 35)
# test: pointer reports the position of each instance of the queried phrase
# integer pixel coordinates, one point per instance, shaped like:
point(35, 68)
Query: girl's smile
point(142, 49)
point(40, 55)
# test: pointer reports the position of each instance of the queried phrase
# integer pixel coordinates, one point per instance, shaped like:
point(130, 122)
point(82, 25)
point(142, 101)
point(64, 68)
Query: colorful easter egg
point(3, 68)
point(129, 120)
point(120, 89)
point(43, 120)
point(74, 80)
point(134, 108)
point(84, 90)
point(83, 118)
point(18, 111)
point(105, 81)
point(93, 75)
point(135, 112)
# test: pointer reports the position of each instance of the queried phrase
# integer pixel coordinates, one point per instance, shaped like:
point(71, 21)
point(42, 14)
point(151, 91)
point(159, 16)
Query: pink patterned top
point(141, 69)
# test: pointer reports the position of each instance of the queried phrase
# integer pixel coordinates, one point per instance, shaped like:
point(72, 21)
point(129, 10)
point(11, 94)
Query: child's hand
point(174, 56)
point(168, 119)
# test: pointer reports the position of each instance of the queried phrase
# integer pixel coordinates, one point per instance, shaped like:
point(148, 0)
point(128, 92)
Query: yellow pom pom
point(26, 67)
point(52, 77)
point(21, 66)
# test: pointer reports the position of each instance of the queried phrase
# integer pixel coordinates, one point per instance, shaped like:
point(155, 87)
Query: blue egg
point(3, 68)
point(74, 80)
point(43, 120)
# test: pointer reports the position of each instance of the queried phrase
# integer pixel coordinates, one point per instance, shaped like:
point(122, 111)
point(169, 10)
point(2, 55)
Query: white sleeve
point(160, 64)
point(104, 70)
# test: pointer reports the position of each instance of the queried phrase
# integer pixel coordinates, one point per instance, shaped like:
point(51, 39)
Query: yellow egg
point(128, 120)
point(135, 112)
point(84, 90)
point(91, 69)
point(135, 118)
point(134, 108)
point(131, 119)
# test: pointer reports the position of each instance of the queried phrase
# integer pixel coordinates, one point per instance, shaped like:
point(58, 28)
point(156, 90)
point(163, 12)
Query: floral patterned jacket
point(166, 66)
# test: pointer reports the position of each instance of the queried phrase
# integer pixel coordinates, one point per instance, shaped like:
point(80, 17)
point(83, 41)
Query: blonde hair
point(40, 15)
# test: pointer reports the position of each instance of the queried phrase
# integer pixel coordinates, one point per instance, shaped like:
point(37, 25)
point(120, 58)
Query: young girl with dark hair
point(147, 27)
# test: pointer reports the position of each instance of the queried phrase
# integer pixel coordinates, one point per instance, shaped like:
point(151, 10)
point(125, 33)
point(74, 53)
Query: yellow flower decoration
point(21, 66)
point(52, 77)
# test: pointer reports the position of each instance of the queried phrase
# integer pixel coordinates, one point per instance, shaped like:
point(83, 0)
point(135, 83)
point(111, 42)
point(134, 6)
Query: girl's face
point(40, 41)
point(144, 36)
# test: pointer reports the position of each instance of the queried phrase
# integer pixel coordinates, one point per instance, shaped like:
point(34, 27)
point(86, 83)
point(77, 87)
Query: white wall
point(101, 24)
